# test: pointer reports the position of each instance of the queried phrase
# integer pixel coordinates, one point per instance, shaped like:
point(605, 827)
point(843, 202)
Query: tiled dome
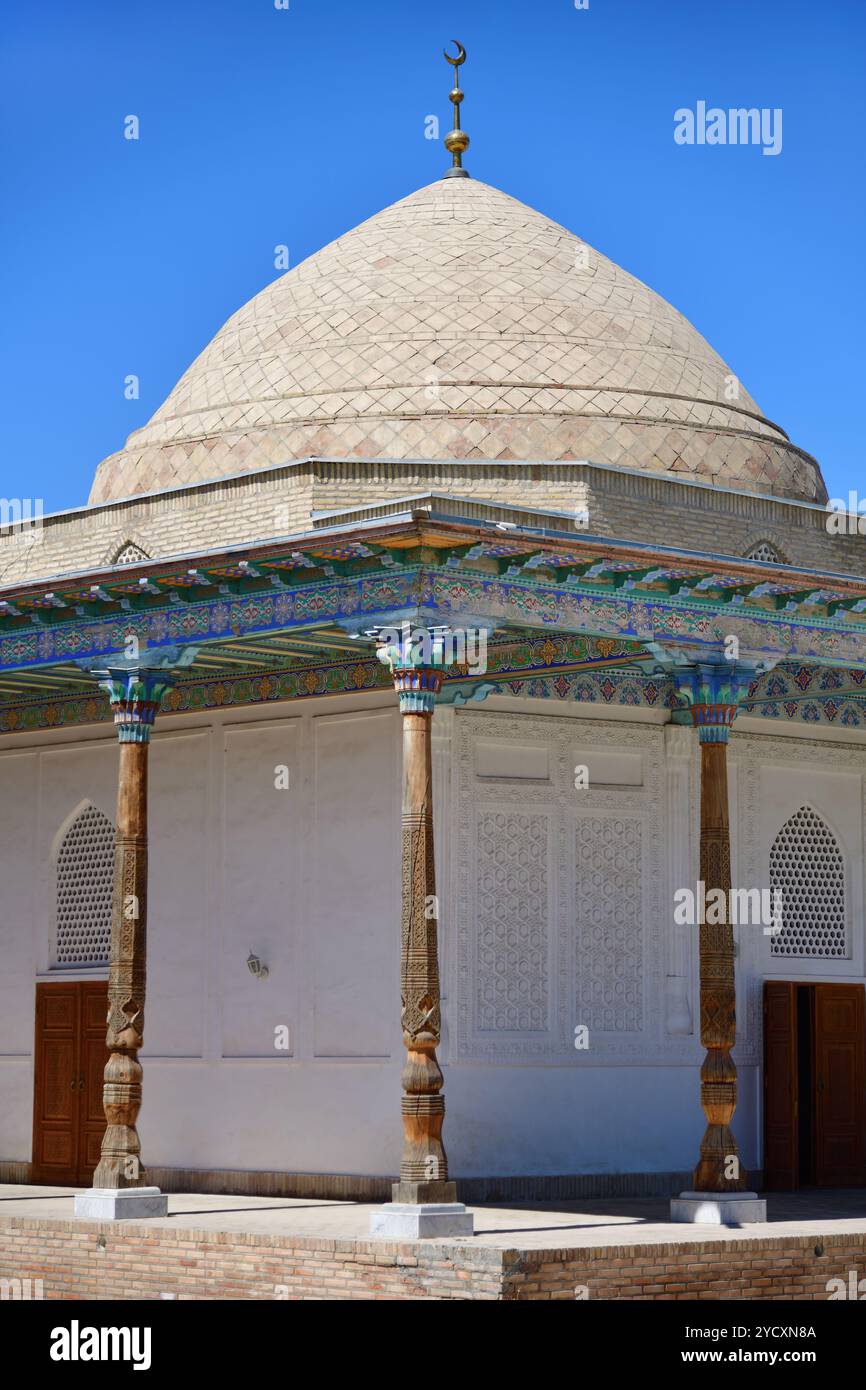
point(459, 324)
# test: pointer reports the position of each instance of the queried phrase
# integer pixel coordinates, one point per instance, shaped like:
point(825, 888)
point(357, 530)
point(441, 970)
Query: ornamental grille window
point(129, 554)
point(766, 553)
point(806, 865)
point(85, 872)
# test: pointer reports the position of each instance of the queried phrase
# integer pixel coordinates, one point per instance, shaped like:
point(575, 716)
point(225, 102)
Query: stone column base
point(120, 1203)
point(719, 1208)
point(421, 1220)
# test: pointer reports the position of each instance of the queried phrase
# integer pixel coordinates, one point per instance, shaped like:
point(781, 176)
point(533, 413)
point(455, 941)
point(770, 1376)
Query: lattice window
point(765, 552)
point(129, 554)
point(85, 870)
point(806, 864)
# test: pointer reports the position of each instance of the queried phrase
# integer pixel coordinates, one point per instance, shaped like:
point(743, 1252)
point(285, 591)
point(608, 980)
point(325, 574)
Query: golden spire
point(456, 141)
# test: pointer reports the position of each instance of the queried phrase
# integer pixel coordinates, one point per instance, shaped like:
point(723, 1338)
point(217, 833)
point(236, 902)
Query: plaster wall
point(307, 878)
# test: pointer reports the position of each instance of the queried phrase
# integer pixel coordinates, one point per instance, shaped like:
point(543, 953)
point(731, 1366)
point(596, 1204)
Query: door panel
point(70, 1057)
point(55, 1098)
point(840, 1064)
point(92, 1060)
point(781, 1101)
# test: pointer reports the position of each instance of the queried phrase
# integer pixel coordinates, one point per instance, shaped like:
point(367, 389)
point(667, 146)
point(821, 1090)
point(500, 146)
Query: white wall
point(308, 879)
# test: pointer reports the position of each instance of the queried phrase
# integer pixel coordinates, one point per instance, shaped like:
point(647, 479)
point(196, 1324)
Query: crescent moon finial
point(456, 141)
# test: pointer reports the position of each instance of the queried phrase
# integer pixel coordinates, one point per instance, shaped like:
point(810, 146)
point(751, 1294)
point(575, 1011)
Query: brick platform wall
point(777, 1268)
point(91, 1260)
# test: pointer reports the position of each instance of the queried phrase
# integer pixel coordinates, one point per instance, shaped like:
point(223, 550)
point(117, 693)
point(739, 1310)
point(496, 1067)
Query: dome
point(459, 324)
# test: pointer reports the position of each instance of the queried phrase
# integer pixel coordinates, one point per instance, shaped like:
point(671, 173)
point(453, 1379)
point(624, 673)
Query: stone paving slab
point(530, 1226)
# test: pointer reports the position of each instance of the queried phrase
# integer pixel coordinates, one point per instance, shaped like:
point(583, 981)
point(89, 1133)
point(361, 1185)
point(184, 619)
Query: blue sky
point(262, 126)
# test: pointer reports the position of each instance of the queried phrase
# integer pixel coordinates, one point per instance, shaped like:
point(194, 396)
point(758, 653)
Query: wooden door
point(781, 1099)
point(70, 1057)
point(55, 1093)
point(93, 1056)
point(840, 1084)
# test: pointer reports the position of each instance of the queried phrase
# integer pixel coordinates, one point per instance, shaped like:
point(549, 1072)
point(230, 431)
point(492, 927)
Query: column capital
point(135, 694)
point(713, 692)
point(416, 659)
point(135, 686)
point(711, 687)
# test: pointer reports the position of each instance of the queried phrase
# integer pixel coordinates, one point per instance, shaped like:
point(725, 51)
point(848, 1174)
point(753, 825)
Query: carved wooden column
point(442, 729)
point(719, 1168)
point(135, 695)
point(424, 1199)
point(679, 749)
point(713, 691)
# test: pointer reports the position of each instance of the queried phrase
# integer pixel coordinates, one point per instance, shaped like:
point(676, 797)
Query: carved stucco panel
point(578, 920)
point(512, 946)
point(608, 879)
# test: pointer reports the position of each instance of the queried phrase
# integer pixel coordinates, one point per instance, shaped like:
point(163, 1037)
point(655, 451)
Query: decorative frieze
point(537, 669)
point(435, 596)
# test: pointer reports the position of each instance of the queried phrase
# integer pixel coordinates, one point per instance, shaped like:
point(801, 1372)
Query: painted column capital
point(713, 722)
point(135, 686)
point(135, 694)
point(416, 660)
point(712, 690)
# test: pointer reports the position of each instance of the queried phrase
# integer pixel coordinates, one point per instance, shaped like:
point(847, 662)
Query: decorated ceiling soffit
point(297, 616)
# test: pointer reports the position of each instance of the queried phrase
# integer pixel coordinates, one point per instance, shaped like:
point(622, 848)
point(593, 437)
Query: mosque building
point(456, 527)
